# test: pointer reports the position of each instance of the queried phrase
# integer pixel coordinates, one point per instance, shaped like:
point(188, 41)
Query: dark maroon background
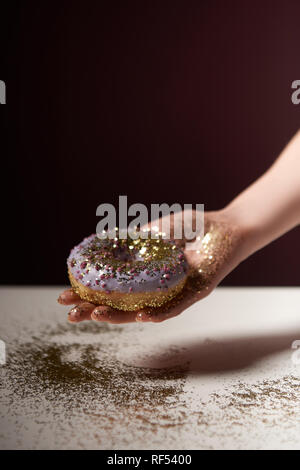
point(169, 101)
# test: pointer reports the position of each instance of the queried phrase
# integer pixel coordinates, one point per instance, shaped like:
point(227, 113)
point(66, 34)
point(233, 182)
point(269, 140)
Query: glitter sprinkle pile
point(72, 375)
point(67, 379)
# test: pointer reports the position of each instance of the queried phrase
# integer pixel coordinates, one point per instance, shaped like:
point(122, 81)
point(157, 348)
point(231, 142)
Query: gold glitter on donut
point(128, 302)
point(127, 274)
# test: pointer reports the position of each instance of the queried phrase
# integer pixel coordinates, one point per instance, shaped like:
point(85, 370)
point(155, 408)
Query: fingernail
point(139, 317)
point(143, 317)
point(101, 314)
point(75, 312)
point(61, 299)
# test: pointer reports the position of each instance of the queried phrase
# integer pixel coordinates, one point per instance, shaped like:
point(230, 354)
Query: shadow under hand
point(229, 353)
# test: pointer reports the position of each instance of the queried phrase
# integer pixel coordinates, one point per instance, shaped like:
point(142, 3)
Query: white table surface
point(220, 376)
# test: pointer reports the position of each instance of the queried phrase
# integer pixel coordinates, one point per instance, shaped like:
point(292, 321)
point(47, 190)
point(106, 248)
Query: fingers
point(81, 312)
point(68, 297)
point(154, 315)
point(109, 315)
point(87, 311)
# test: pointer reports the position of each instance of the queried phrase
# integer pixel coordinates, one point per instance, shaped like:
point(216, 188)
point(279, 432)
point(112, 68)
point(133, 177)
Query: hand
point(219, 252)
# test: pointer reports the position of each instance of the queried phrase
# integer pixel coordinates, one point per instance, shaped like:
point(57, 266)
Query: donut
point(127, 274)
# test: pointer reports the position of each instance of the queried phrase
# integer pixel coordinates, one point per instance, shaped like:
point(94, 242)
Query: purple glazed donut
point(127, 274)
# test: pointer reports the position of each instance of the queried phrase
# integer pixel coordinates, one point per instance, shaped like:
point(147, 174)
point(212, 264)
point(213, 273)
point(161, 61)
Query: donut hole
point(122, 253)
point(126, 255)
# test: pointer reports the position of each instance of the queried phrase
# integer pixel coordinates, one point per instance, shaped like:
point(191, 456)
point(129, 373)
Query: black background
point(173, 101)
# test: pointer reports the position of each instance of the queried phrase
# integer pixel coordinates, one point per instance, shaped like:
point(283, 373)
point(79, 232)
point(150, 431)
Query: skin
point(263, 212)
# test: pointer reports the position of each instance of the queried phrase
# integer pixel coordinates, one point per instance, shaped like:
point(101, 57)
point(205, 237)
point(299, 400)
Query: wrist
point(236, 216)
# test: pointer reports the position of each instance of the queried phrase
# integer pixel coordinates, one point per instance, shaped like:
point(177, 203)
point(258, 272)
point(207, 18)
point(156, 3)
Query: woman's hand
point(221, 249)
point(263, 212)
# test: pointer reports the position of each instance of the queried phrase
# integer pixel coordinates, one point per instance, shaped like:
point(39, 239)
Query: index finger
point(69, 297)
